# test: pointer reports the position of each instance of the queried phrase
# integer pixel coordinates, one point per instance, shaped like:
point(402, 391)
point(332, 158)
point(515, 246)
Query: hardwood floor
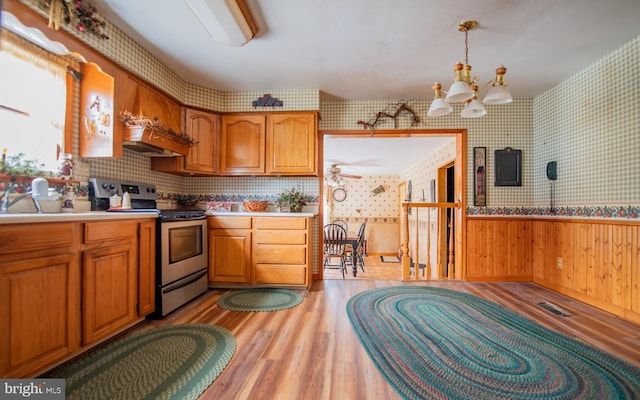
point(311, 351)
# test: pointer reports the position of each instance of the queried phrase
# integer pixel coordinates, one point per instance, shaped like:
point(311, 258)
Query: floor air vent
point(552, 308)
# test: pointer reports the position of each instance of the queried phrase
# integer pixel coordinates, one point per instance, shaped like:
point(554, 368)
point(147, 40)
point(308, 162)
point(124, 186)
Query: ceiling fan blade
point(351, 176)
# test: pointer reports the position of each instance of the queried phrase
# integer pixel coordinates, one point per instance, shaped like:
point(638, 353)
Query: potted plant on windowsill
point(291, 200)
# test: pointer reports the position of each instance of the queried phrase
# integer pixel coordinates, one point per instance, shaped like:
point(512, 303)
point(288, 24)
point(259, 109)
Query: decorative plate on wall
point(339, 194)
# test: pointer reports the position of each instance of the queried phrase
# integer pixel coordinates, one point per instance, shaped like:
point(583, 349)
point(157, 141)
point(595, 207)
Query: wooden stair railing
point(406, 257)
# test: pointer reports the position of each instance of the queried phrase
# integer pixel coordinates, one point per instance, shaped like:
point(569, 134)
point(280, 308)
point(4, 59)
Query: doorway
point(446, 247)
point(458, 184)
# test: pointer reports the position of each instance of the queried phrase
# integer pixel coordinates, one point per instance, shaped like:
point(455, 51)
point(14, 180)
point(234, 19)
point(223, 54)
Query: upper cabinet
point(268, 144)
point(242, 144)
point(291, 143)
point(204, 129)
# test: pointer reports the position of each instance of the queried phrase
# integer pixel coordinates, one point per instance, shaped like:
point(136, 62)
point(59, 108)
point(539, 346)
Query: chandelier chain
point(466, 47)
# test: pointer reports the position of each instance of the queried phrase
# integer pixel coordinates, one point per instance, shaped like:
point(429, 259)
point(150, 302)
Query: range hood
point(155, 140)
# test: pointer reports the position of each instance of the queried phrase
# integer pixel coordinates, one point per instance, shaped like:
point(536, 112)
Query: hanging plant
point(81, 13)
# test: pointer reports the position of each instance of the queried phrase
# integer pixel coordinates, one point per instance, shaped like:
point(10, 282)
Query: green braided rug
point(259, 299)
point(432, 343)
point(169, 362)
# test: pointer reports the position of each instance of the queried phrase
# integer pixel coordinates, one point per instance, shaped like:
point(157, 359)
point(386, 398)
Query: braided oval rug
point(259, 299)
point(433, 343)
point(169, 362)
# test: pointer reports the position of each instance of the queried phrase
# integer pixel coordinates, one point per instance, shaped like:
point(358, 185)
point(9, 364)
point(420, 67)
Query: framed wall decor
point(479, 176)
point(508, 167)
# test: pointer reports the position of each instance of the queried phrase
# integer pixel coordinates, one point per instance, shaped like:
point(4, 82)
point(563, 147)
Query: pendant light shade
point(474, 109)
point(459, 91)
point(498, 94)
point(439, 106)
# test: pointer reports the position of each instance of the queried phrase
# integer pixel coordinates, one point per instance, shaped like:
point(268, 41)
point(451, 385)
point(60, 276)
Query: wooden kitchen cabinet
point(291, 143)
point(269, 144)
point(204, 129)
point(66, 285)
point(264, 251)
point(242, 144)
point(39, 296)
point(146, 268)
point(109, 278)
point(282, 251)
point(229, 250)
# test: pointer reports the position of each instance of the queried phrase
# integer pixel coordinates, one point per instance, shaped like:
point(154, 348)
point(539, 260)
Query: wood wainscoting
point(597, 262)
point(499, 249)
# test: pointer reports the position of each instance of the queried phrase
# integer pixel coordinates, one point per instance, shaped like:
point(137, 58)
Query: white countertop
point(260, 214)
point(25, 218)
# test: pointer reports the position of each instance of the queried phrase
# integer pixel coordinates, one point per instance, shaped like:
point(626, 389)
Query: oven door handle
point(183, 283)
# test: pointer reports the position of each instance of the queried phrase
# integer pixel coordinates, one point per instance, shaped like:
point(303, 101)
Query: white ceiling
point(382, 49)
point(379, 155)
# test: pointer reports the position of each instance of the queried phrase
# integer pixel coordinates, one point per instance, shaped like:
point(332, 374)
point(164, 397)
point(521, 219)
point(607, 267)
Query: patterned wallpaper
point(362, 202)
point(590, 125)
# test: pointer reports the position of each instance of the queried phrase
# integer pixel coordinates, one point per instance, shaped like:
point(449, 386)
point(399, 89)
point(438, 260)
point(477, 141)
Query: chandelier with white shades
point(464, 88)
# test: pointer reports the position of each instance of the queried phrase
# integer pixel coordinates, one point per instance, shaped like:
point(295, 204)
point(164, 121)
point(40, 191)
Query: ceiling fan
point(335, 177)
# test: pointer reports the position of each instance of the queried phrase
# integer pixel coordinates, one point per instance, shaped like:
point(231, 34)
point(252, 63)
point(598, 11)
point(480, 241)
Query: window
point(33, 101)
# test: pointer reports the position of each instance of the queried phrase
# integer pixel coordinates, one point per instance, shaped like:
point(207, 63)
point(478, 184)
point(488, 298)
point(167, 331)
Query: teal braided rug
point(433, 343)
point(169, 362)
point(259, 299)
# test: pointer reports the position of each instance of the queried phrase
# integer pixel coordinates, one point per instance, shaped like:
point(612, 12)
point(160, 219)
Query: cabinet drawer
point(229, 222)
point(97, 232)
point(274, 254)
point(281, 222)
point(281, 274)
point(29, 237)
point(281, 237)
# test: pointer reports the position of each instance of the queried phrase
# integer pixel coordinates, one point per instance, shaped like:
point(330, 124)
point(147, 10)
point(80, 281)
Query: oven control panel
point(105, 188)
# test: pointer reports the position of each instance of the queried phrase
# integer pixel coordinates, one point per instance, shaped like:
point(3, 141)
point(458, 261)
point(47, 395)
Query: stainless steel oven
point(181, 242)
point(182, 271)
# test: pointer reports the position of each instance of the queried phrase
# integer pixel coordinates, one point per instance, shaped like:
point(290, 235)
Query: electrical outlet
point(560, 262)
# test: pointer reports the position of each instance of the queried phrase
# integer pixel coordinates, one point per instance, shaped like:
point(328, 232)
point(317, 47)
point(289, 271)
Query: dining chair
point(359, 249)
point(342, 223)
point(335, 246)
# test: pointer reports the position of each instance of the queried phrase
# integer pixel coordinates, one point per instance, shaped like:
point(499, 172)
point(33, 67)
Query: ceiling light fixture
point(226, 21)
point(464, 88)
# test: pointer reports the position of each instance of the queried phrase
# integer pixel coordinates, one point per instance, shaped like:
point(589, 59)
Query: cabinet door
point(291, 143)
point(147, 268)
point(242, 144)
point(229, 255)
point(108, 290)
point(39, 313)
point(204, 129)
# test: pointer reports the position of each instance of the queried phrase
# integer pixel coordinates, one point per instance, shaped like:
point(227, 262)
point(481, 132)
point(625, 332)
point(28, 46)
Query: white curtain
point(32, 101)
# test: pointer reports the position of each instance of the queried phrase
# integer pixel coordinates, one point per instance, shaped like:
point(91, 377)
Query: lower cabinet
point(40, 302)
point(147, 268)
point(282, 251)
point(260, 251)
point(67, 285)
point(229, 249)
point(108, 291)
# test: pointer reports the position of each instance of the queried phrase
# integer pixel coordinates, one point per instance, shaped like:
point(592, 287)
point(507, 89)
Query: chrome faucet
point(5, 203)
